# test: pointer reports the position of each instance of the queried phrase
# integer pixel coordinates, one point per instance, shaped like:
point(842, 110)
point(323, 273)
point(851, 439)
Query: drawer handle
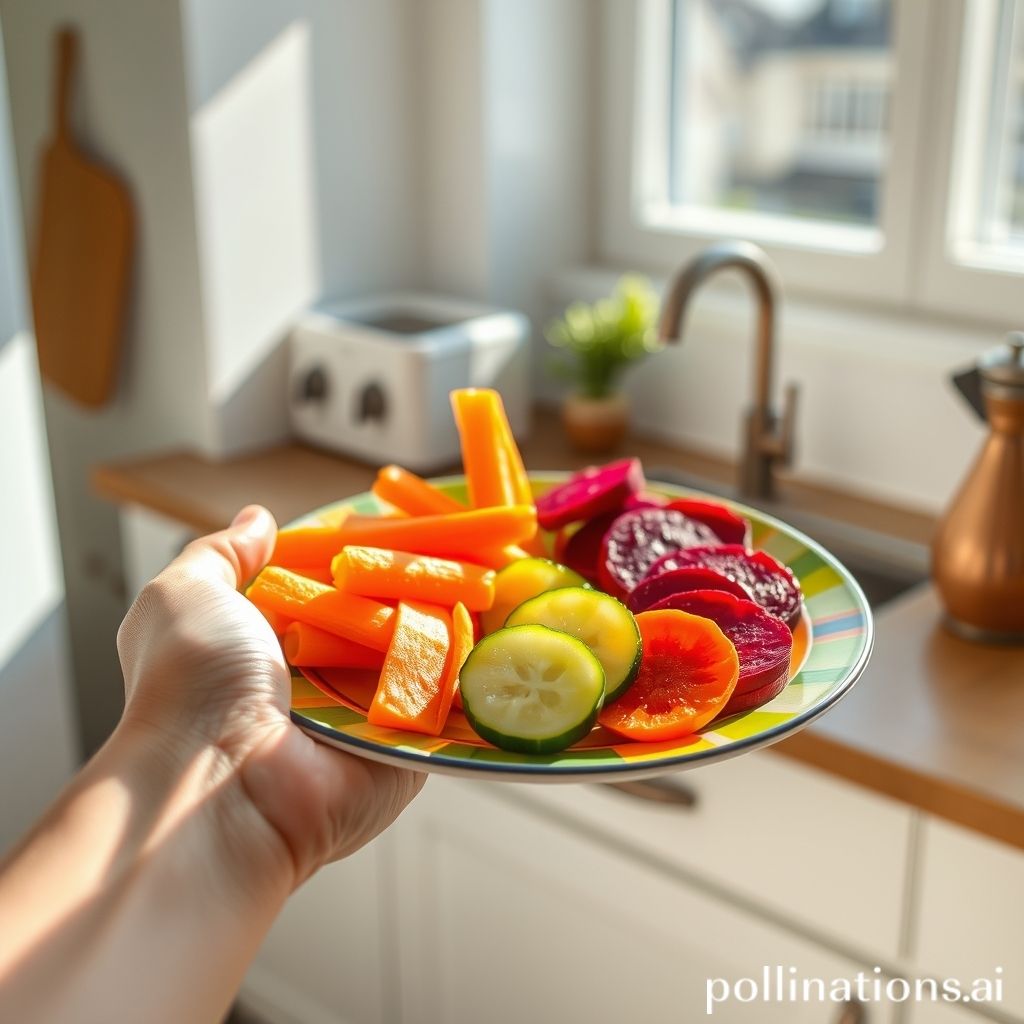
point(658, 792)
point(853, 1011)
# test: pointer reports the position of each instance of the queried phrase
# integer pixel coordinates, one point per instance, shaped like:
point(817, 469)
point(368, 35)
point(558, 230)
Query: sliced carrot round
point(687, 675)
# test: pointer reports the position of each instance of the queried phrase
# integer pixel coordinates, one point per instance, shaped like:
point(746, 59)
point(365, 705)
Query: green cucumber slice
point(524, 579)
point(603, 623)
point(531, 689)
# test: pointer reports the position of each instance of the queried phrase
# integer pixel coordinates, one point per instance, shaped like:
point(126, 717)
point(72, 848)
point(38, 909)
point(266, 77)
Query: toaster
point(371, 377)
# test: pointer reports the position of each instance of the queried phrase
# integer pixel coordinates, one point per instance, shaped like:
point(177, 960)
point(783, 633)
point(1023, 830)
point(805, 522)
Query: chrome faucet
point(767, 438)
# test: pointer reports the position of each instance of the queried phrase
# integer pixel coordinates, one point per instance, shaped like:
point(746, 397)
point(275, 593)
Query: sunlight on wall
point(33, 585)
point(252, 150)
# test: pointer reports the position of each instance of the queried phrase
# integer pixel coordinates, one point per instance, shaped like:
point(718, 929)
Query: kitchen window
point(875, 148)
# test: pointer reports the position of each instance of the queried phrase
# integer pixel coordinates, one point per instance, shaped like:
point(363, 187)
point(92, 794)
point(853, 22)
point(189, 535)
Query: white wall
point(131, 108)
point(37, 734)
point(507, 131)
point(303, 135)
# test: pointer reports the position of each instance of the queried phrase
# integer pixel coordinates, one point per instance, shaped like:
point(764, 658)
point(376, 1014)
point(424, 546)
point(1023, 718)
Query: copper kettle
point(978, 550)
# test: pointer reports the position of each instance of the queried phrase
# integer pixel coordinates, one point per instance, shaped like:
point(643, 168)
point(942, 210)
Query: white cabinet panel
point(505, 917)
point(941, 1013)
point(149, 541)
point(821, 851)
point(326, 959)
point(970, 921)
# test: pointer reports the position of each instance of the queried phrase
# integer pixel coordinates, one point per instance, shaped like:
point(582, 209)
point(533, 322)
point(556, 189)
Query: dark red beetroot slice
point(648, 592)
point(762, 641)
point(770, 583)
point(639, 538)
point(730, 527)
point(589, 493)
point(581, 549)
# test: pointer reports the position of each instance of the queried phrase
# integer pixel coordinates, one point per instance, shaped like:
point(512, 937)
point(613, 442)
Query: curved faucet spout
point(767, 441)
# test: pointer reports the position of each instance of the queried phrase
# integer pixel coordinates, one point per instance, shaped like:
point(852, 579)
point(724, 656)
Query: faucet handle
point(787, 426)
point(779, 443)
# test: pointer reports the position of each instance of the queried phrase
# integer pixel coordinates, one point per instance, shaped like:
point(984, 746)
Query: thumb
point(234, 555)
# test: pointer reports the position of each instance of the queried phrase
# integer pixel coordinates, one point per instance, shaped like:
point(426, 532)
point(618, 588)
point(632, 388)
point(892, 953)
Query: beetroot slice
point(581, 549)
point(638, 538)
point(763, 643)
point(770, 583)
point(589, 493)
point(730, 527)
point(653, 589)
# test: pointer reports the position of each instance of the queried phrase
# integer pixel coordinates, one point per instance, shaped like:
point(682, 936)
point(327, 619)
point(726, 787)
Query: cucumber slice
point(522, 580)
point(603, 623)
point(531, 689)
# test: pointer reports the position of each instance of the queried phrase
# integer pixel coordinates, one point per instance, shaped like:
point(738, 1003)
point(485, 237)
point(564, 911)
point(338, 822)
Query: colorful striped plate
point(832, 646)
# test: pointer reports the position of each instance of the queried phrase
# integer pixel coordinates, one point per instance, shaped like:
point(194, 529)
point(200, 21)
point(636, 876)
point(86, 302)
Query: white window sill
point(877, 411)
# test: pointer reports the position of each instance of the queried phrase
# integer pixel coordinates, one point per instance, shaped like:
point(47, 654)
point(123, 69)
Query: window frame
point(911, 267)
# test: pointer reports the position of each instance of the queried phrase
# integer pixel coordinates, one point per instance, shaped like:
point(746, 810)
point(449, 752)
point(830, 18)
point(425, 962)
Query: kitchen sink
point(884, 566)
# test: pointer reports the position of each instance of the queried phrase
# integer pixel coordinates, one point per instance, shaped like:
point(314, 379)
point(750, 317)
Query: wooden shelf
point(935, 722)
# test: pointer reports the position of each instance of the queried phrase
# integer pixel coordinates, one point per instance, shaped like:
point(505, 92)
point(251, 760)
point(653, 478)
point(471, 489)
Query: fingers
point(234, 555)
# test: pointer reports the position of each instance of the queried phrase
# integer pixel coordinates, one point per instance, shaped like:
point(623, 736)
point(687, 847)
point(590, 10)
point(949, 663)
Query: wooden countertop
point(935, 721)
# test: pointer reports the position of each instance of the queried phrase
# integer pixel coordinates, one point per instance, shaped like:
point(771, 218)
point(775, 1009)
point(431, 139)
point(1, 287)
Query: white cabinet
point(507, 917)
point(326, 959)
point(806, 846)
point(941, 1013)
point(971, 892)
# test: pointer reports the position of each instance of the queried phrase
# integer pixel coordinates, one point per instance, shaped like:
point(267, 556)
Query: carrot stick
point(453, 535)
point(278, 622)
point(361, 619)
point(463, 635)
point(321, 573)
point(306, 646)
point(412, 494)
point(307, 545)
point(489, 477)
point(418, 497)
point(409, 695)
point(522, 493)
point(382, 573)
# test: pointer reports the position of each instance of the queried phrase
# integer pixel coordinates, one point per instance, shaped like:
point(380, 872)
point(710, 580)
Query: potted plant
point(594, 345)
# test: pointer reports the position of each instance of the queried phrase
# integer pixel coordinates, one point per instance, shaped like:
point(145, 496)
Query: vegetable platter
point(555, 627)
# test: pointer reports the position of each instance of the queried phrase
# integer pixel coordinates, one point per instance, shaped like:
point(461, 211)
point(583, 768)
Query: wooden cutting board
point(83, 251)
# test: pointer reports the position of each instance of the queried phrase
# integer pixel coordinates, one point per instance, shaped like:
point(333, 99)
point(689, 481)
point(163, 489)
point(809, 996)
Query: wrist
point(191, 806)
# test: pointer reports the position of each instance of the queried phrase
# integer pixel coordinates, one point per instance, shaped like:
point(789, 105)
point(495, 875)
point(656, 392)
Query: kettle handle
point(968, 383)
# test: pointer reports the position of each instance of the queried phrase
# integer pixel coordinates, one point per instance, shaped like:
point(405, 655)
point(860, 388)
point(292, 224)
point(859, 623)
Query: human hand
point(205, 682)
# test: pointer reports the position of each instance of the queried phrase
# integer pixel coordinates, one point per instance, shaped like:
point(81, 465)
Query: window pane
point(780, 107)
point(1001, 203)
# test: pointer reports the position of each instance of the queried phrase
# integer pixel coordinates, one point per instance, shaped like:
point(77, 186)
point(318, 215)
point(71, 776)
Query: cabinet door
point(941, 1013)
point(326, 959)
point(506, 917)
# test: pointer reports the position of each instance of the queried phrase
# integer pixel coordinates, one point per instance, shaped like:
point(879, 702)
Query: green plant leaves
point(596, 343)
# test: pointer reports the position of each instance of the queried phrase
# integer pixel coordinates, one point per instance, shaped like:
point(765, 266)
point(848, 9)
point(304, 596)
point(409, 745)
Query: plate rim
point(432, 762)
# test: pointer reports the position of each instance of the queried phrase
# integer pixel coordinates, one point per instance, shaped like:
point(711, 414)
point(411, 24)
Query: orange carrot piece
point(320, 573)
point(455, 535)
point(360, 619)
point(451, 535)
point(409, 694)
point(307, 646)
point(412, 494)
point(463, 638)
point(304, 546)
point(522, 492)
point(403, 576)
point(489, 476)
point(278, 622)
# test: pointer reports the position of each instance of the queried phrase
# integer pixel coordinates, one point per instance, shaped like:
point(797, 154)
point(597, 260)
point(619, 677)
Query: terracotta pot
point(595, 424)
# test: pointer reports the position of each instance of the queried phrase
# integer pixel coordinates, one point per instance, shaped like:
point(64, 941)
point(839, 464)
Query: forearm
point(146, 889)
